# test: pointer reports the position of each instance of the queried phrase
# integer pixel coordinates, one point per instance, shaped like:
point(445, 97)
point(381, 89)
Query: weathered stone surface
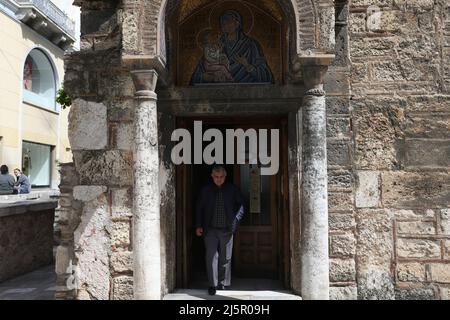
point(411, 272)
point(411, 214)
point(365, 47)
point(416, 227)
point(115, 84)
point(121, 203)
point(339, 153)
point(121, 110)
point(427, 153)
point(368, 189)
point(440, 272)
point(340, 202)
point(385, 88)
point(341, 221)
point(418, 248)
point(388, 71)
point(374, 255)
point(120, 234)
point(121, 261)
point(415, 5)
point(340, 180)
point(88, 125)
point(343, 293)
point(69, 176)
point(62, 260)
point(88, 193)
point(378, 132)
point(338, 106)
point(445, 221)
point(415, 294)
point(357, 22)
point(428, 103)
point(122, 288)
point(338, 128)
point(415, 190)
point(26, 242)
point(366, 3)
point(336, 82)
point(92, 244)
point(104, 167)
point(315, 260)
point(342, 245)
point(444, 293)
point(125, 137)
point(447, 249)
point(342, 270)
point(427, 126)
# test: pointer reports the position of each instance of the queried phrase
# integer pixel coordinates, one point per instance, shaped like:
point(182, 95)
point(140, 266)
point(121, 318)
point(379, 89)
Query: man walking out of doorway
point(219, 210)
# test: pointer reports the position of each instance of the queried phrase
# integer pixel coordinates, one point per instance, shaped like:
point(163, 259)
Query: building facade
point(33, 127)
point(359, 92)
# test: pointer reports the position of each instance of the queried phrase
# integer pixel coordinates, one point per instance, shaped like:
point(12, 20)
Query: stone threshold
point(193, 294)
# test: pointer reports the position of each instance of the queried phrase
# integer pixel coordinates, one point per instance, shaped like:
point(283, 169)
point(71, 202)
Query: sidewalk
point(37, 285)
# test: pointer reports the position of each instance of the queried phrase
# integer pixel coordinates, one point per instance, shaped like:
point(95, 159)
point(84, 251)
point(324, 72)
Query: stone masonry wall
point(388, 96)
point(96, 190)
point(389, 212)
point(26, 240)
point(96, 205)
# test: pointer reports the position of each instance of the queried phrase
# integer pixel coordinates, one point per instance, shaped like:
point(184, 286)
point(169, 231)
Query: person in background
point(7, 181)
point(23, 184)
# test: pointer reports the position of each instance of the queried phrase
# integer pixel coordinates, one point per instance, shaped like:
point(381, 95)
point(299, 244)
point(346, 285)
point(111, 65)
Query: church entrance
point(261, 246)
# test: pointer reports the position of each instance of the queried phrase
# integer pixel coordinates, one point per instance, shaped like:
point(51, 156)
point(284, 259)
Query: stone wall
point(96, 206)
point(388, 148)
point(96, 190)
point(391, 216)
point(26, 236)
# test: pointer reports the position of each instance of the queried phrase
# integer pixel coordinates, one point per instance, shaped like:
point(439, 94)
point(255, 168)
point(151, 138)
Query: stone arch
point(146, 25)
point(301, 15)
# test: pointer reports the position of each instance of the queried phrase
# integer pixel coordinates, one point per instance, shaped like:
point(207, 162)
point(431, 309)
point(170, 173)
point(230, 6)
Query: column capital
point(313, 69)
point(145, 83)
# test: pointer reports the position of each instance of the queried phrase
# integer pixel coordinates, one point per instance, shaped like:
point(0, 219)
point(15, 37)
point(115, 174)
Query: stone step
point(232, 295)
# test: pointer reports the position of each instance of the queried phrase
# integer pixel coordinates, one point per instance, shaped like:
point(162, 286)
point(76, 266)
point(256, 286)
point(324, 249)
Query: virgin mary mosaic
point(230, 55)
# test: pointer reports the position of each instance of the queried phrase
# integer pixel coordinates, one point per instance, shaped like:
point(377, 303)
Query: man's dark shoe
point(221, 287)
point(212, 291)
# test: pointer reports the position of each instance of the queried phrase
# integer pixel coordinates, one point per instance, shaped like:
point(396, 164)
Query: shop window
point(39, 81)
point(37, 163)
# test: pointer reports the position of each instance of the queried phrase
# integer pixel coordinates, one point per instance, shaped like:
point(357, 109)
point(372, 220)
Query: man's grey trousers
point(219, 250)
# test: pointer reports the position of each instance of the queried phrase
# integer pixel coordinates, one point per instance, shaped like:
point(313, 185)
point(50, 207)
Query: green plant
point(63, 98)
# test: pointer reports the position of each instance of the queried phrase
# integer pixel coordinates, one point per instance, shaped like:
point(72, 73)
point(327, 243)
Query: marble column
point(314, 241)
point(146, 196)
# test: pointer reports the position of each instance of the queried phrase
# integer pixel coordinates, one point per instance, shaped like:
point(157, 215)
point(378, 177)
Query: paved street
point(38, 285)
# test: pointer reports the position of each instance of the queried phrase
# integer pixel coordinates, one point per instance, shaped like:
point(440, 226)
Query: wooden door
point(256, 243)
point(261, 247)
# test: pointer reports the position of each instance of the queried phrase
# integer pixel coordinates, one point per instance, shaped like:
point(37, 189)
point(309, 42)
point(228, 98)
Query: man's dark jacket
point(206, 205)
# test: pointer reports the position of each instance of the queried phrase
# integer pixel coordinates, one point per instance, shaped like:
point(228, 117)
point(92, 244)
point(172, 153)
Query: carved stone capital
point(313, 69)
point(144, 82)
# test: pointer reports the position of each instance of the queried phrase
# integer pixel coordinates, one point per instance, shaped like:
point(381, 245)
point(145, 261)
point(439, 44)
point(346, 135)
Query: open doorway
point(261, 245)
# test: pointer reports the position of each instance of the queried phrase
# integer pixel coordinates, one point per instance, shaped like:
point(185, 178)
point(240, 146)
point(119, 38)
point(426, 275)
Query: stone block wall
point(26, 237)
point(388, 103)
point(389, 210)
point(96, 189)
point(96, 200)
